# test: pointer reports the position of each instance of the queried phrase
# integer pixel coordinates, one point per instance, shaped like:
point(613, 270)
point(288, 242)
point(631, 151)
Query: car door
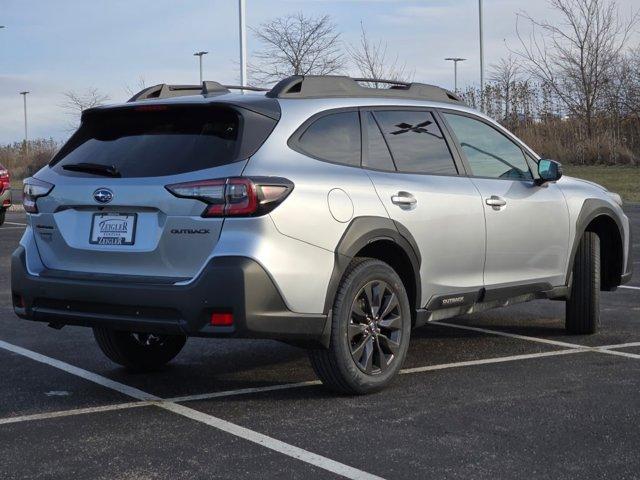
point(414, 173)
point(527, 224)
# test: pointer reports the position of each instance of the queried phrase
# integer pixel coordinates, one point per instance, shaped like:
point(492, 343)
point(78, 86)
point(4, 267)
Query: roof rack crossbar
point(164, 90)
point(336, 86)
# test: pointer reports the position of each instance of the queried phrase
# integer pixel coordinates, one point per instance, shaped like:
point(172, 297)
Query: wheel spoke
point(389, 345)
point(390, 304)
point(382, 358)
point(357, 310)
point(356, 352)
point(356, 329)
point(393, 322)
point(367, 356)
point(368, 295)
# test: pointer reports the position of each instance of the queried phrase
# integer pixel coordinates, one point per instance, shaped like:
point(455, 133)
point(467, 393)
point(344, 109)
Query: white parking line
point(14, 223)
point(288, 386)
point(242, 391)
point(72, 412)
point(629, 287)
point(223, 425)
point(618, 353)
point(486, 361)
point(510, 335)
point(607, 349)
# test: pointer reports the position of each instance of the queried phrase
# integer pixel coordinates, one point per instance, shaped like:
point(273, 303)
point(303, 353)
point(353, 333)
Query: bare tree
point(371, 60)
point(75, 102)
point(575, 57)
point(140, 84)
point(297, 45)
point(505, 75)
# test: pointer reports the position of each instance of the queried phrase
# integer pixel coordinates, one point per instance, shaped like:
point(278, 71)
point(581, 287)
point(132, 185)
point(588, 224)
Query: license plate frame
point(116, 236)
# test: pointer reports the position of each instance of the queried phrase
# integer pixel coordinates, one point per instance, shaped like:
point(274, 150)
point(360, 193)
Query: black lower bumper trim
point(230, 284)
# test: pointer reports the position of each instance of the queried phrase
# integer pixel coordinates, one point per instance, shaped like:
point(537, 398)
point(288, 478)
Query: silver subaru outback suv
point(322, 213)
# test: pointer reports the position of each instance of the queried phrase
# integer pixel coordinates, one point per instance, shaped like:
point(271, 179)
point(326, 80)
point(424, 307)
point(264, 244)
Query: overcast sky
point(49, 46)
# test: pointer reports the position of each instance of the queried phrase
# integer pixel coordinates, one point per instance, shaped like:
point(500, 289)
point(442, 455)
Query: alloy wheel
point(375, 327)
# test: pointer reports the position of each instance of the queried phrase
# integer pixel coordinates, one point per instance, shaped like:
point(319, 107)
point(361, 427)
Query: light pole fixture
point(481, 30)
point(242, 28)
point(26, 132)
point(455, 61)
point(199, 55)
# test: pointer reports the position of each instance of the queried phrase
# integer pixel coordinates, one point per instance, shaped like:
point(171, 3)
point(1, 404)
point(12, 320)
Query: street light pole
point(242, 12)
point(481, 53)
point(26, 132)
point(199, 55)
point(455, 61)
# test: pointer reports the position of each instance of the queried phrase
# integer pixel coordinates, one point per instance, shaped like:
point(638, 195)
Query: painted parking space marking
point(606, 349)
point(73, 412)
point(243, 391)
point(288, 386)
point(487, 361)
point(629, 287)
point(218, 423)
point(15, 223)
point(511, 335)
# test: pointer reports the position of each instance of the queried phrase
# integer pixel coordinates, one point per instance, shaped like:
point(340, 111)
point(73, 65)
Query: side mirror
point(549, 171)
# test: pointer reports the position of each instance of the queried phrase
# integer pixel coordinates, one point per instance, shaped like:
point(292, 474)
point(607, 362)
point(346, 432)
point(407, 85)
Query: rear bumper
point(5, 198)
point(227, 284)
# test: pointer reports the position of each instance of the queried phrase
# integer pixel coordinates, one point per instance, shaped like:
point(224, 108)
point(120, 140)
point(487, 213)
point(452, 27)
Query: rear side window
point(154, 140)
point(334, 137)
point(489, 152)
point(416, 142)
point(376, 154)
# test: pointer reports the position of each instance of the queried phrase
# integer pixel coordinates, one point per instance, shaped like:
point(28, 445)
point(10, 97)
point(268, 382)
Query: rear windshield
point(155, 140)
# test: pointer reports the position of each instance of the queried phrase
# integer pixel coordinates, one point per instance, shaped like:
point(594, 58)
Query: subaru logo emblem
point(103, 195)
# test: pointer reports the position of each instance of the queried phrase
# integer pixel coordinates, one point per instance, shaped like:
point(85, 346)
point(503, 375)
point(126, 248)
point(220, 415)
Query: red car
point(5, 192)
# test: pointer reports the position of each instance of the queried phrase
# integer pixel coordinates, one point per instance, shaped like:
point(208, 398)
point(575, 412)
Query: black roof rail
point(323, 86)
point(164, 90)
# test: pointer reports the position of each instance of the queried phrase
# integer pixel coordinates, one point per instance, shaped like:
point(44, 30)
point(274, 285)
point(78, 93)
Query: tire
point(583, 306)
point(3, 212)
point(365, 350)
point(139, 352)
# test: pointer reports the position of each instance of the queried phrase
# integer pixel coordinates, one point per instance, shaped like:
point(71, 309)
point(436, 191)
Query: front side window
point(334, 137)
point(489, 152)
point(416, 142)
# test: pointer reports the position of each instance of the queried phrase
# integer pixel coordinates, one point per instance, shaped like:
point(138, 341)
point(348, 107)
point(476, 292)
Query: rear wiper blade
point(95, 168)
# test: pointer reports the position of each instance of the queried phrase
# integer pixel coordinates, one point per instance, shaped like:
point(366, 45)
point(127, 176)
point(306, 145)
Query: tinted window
point(142, 143)
point(334, 137)
point(489, 152)
point(416, 142)
point(377, 154)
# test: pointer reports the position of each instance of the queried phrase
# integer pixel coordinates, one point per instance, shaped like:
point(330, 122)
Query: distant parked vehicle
point(321, 213)
point(5, 192)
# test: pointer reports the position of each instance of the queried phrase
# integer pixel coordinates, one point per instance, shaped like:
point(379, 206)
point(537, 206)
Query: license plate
point(113, 229)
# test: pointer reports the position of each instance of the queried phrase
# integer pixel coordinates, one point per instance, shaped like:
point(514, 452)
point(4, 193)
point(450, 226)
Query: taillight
point(235, 196)
point(34, 189)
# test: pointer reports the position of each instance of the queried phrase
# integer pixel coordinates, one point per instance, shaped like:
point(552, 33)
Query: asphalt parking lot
point(502, 394)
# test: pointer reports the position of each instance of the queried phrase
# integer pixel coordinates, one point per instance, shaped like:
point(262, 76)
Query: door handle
point(403, 199)
point(495, 201)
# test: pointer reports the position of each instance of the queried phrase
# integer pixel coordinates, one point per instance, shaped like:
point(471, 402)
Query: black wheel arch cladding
point(364, 232)
point(597, 215)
